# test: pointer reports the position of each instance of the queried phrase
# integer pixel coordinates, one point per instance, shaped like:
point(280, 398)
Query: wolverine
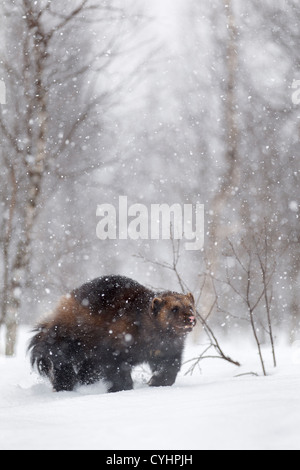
point(103, 329)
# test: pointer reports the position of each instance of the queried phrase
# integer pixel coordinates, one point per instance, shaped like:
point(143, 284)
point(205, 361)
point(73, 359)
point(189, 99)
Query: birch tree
point(229, 177)
point(52, 63)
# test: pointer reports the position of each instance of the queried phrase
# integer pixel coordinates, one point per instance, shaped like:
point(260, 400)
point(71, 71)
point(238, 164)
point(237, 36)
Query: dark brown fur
point(106, 327)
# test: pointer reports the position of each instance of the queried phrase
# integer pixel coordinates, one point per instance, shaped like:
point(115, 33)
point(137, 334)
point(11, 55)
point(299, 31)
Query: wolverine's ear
point(156, 305)
point(191, 298)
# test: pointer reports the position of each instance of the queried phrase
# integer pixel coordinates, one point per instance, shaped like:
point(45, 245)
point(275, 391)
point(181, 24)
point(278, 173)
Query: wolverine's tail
point(40, 351)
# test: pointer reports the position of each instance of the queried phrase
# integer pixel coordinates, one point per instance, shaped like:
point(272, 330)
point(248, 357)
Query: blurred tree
point(233, 87)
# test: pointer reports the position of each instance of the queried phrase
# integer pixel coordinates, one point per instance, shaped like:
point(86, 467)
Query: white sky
point(164, 7)
point(167, 12)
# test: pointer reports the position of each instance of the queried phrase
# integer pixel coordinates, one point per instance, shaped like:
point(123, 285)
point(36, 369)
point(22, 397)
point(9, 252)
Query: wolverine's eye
point(175, 310)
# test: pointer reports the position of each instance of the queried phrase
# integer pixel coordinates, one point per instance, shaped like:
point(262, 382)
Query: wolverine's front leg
point(118, 377)
point(165, 371)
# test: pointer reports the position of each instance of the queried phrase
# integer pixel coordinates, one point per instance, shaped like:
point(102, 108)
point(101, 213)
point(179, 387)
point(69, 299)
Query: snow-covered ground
point(210, 410)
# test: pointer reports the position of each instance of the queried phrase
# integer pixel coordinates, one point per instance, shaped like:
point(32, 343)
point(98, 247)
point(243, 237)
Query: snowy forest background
point(164, 102)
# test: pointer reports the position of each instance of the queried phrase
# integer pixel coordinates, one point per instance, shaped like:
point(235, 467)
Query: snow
point(209, 410)
point(294, 206)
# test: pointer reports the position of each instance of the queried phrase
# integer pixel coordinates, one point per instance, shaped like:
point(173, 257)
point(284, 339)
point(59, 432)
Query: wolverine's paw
point(161, 381)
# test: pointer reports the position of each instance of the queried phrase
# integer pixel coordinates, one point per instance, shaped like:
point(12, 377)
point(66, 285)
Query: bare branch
point(9, 137)
point(66, 19)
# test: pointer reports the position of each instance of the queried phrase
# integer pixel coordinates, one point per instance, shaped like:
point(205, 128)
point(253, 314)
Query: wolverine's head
point(175, 312)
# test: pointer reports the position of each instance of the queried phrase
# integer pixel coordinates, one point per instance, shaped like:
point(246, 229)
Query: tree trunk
point(11, 324)
point(7, 314)
point(295, 275)
point(35, 171)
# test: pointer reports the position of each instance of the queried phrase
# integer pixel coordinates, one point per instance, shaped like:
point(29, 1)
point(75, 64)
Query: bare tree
point(245, 122)
point(56, 104)
point(250, 276)
point(221, 125)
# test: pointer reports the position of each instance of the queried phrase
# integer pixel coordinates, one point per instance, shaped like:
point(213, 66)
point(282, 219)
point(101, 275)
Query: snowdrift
point(212, 409)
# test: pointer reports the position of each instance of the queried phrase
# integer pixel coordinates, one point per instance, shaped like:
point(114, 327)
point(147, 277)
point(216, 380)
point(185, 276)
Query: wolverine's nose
point(192, 319)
